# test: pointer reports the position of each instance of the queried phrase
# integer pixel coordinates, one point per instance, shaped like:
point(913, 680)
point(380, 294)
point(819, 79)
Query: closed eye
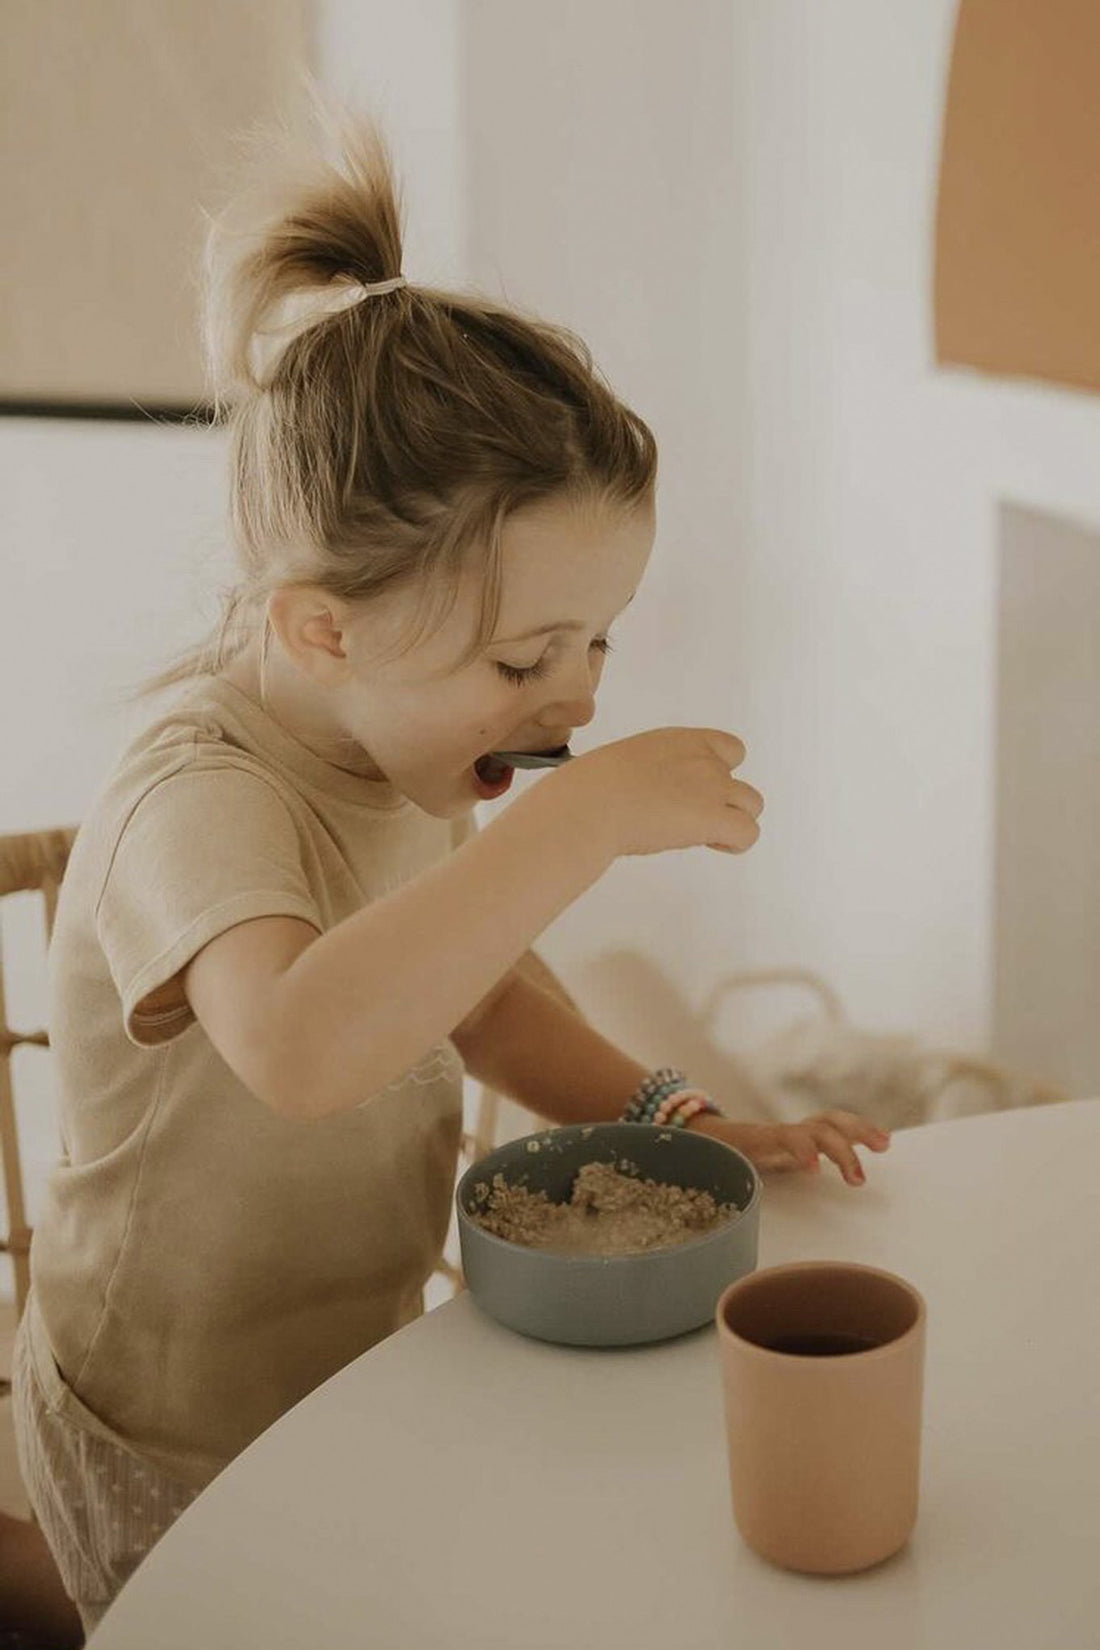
point(518, 675)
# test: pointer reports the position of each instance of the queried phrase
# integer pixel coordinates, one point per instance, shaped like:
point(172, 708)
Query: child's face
point(424, 723)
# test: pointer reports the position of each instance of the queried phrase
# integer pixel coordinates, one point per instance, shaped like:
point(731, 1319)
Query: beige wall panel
point(1047, 890)
point(118, 120)
point(1018, 216)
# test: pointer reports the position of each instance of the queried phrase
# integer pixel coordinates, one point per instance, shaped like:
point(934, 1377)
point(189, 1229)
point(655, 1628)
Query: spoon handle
point(539, 759)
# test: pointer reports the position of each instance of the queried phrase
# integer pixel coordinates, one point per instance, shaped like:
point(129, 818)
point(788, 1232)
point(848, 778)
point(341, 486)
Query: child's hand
point(667, 788)
point(798, 1145)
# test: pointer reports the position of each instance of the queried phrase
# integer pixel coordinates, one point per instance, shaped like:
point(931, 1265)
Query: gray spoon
point(535, 759)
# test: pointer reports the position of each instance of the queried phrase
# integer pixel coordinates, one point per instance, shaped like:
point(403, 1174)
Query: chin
point(450, 805)
point(450, 810)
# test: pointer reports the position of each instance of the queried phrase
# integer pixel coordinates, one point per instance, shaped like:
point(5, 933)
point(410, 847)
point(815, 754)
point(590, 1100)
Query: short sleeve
point(205, 849)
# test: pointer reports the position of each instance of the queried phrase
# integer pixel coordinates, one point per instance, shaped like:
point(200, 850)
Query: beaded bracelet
point(677, 1108)
point(655, 1086)
point(668, 1099)
point(670, 1106)
point(644, 1111)
point(660, 1097)
point(697, 1103)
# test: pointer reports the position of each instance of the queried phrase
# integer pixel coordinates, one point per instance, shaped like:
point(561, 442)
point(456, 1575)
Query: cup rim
point(792, 1268)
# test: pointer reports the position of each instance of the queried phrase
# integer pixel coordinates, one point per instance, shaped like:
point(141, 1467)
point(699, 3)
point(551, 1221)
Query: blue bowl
point(609, 1300)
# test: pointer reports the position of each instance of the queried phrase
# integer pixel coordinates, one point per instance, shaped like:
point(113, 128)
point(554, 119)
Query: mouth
point(492, 776)
point(494, 772)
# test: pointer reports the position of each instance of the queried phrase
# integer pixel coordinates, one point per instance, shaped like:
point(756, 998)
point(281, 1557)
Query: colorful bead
point(673, 1101)
point(643, 1104)
point(667, 1098)
point(663, 1095)
point(667, 1107)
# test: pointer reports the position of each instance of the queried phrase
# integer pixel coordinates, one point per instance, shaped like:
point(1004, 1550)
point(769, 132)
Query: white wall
point(401, 63)
point(733, 203)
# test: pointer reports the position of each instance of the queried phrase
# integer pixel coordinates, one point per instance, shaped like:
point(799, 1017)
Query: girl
point(281, 939)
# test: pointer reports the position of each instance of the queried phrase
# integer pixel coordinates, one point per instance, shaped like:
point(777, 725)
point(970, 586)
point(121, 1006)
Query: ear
point(311, 623)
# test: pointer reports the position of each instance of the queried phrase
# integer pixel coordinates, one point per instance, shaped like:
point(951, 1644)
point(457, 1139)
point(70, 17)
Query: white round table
point(462, 1486)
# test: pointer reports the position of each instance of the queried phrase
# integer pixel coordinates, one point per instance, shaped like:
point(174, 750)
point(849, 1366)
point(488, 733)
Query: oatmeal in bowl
point(607, 1234)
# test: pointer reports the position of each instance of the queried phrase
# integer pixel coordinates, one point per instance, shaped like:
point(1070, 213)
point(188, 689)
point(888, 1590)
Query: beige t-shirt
point(201, 1263)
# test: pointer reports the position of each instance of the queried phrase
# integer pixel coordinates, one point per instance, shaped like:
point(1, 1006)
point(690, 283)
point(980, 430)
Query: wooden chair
point(34, 1607)
point(950, 1083)
point(33, 861)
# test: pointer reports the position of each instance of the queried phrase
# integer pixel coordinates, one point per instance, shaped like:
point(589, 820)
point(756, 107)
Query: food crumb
point(608, 1213)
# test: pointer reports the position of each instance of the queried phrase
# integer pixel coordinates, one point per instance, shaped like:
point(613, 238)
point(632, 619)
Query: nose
point(575, 712)
point(571, 694)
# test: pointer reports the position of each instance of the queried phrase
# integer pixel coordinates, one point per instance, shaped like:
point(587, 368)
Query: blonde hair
point(382, 441)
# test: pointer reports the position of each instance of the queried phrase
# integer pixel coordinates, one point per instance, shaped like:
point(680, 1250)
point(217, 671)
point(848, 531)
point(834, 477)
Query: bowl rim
point(635, 1255)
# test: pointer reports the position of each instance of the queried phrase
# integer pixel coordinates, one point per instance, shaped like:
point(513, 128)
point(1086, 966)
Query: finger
point(800, 1142)
point(726, 746)
point(836, 1146)
point(745, 831)
point(741, 832)
point(856, 1127)
point(747, 798)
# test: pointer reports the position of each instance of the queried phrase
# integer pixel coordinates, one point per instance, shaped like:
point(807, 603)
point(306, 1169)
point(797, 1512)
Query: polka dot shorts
point(101, 1507)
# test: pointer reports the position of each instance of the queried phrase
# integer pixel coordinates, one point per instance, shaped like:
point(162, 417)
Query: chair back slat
point(30, 861)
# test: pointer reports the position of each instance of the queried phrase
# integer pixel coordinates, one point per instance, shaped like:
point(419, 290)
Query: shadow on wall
point(775, 1045)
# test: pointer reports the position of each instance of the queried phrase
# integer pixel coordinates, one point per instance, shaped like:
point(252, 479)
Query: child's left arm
point(525, 1043)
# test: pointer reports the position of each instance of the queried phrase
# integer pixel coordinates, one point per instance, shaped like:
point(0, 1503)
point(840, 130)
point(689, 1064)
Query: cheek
point(466, 715)
point(396, 722)
point(475, 713)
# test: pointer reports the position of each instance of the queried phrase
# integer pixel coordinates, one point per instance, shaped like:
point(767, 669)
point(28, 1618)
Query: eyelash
point(513, 674)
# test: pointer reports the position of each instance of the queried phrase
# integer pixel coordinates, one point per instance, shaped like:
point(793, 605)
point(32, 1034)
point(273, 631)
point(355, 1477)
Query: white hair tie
point(379, 287)
point(302, 309)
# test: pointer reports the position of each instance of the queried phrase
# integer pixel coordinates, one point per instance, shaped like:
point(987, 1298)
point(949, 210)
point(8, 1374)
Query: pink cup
point(822, 1368)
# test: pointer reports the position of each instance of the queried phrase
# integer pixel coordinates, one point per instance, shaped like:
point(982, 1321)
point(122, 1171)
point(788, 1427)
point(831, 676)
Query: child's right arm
point(314, 1023)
